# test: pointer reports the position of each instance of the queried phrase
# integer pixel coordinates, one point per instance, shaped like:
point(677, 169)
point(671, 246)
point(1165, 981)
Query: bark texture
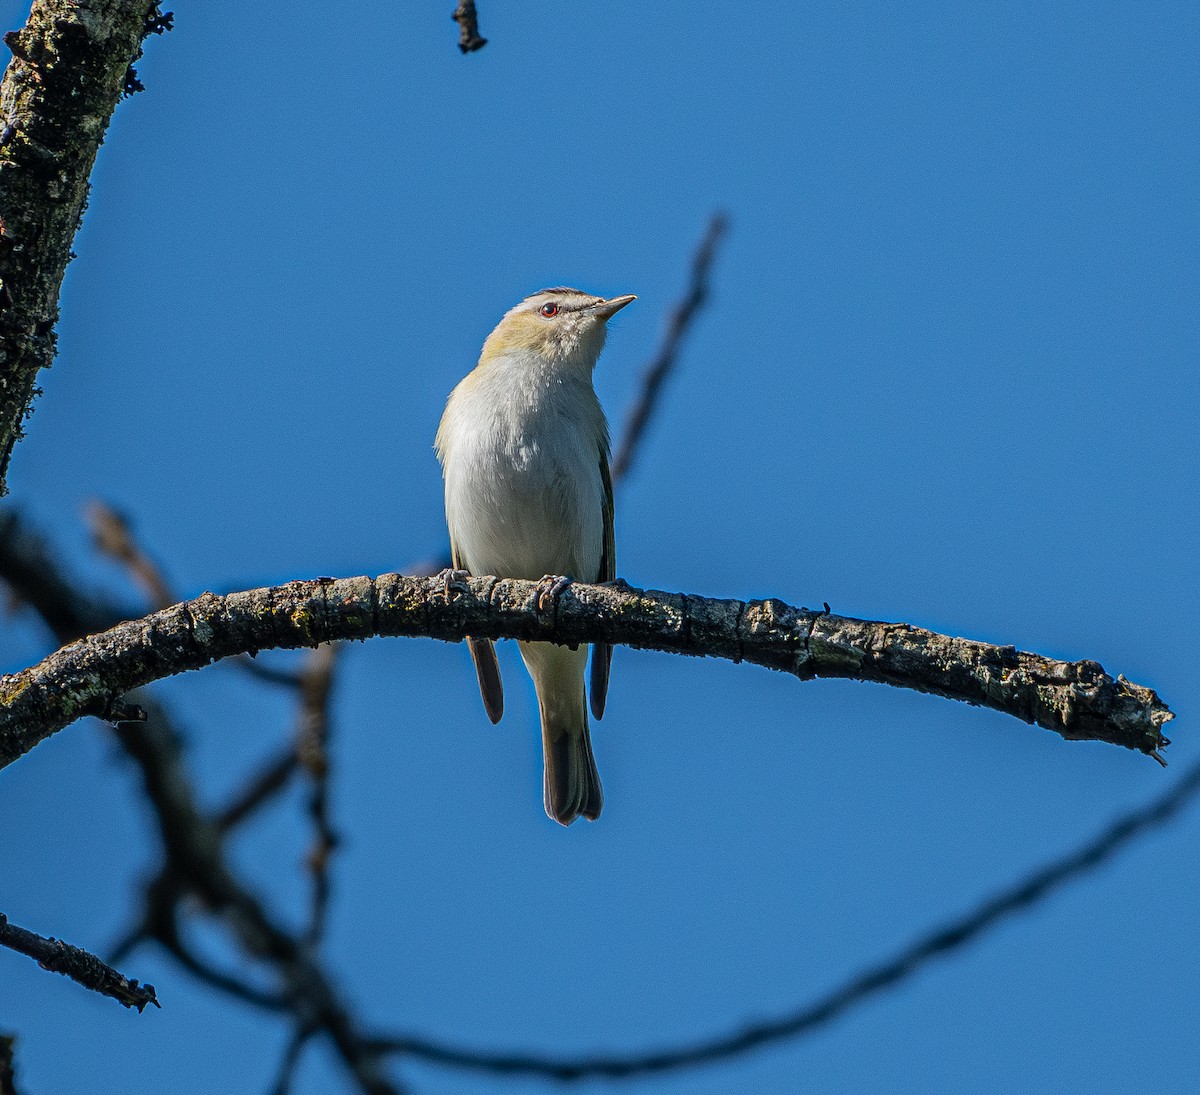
point(1075, 699)
point(77, 964)
point(67, 73)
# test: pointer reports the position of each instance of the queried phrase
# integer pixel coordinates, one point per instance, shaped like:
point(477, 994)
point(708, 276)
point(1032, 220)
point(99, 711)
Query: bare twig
point(268, 674)
point(171, 799)
point(195, 854)
point(195, 865)
point(160, 924)
point(291, 1058)
point(79, 965)
point(113, 536)
point(1077, 700)
point(263, 786)
point(661, 364)
point(1022, 896)
point(468, 27)
point(29, 568)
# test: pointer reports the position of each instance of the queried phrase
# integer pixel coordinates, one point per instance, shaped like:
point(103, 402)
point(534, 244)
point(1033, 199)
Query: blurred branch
point(28, 566)
point(160, 924)
point(81, 967)
point(312, 742)
point(8, 1079)
point(663, 362)
point(113, 536)
point(942, 941)
point(263, 786)
point(195, 864)
point(193, 845)
point(68, 71)
point(1077, 700)
point(291, 1058)
point(468, 27)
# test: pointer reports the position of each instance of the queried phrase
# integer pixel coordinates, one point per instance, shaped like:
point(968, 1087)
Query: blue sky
point(948, 376)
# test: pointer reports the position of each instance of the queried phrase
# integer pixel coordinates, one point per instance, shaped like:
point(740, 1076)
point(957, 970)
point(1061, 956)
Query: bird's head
point(564, 327)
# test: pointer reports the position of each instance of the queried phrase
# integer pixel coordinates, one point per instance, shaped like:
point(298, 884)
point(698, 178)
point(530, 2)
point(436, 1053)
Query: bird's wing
point(483, 654)
point(602, 652)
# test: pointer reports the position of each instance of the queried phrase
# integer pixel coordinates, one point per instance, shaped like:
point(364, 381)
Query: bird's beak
point(606, 309)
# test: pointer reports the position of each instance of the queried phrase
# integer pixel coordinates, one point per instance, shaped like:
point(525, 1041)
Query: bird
point(524, 450)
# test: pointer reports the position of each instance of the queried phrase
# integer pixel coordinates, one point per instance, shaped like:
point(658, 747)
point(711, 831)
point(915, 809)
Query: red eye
point(549, 310)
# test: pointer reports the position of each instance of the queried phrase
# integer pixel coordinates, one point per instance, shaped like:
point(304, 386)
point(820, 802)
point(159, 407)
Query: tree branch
point(953, 935)
point(468, 27)
point(1077, 700)
point(67, 73)
point(8, 1079)
point(663, 362)
point(77, 964)
point(263, 786)
point(312, 749)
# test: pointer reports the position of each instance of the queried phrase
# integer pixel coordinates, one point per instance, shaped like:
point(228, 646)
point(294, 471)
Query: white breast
point(520, 449)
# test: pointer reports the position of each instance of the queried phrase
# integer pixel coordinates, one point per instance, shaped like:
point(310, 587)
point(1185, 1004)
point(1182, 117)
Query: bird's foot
point(550, 588)
point(454, 581)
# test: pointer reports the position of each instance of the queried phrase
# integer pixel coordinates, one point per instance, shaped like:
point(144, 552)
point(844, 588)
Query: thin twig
point(263, 786)
point(663, 362)
point(112, 535)
point(468, 27)
point(1021, 897)
point(269, 674)
point(79, 965)
point(291, 1058)
point(194, 860)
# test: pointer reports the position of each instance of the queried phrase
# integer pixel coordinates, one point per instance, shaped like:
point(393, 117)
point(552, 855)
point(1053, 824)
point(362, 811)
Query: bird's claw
point(454, 581)
point(550, 588)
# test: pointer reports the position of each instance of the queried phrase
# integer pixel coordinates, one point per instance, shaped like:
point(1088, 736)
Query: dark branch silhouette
point(77, 964)
point(195, 872)
point(290, 1061)
point(940, 942)
point(312, 749)
point(468, 27)
point(8, 1079)
point(678, 324)
point(262, 786)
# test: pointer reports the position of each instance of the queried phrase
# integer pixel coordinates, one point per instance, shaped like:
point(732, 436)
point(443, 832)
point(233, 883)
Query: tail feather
point(571, 783)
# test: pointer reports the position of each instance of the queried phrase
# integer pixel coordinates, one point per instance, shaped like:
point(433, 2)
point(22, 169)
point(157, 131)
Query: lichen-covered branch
point(84, 968)
point(1075, 699)
point(67, 73)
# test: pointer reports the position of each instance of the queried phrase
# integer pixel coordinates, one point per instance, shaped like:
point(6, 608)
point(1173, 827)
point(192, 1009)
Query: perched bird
point(524, 450)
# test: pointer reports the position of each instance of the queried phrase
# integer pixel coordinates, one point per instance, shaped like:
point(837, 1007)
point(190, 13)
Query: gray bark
point(1075, 699)
point(67, 73)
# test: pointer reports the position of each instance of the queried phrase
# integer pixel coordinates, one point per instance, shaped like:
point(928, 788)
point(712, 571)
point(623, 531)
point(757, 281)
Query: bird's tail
point(572, 784)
